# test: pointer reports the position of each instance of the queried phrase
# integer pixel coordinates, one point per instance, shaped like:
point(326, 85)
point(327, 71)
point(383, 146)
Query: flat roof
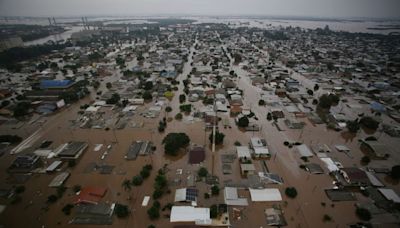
point(189, 214)
point(59, 180)
point(389, 194)
point(265, 195)
point(243, 151)
point(304, 150)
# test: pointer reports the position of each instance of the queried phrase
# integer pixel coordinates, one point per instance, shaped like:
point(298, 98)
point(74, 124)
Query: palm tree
point(126, 184)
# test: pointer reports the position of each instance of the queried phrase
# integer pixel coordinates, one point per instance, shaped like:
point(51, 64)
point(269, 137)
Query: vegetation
point(369, 122)
point(395, 172)
point(261, 102)
point(182, 98)
point(243, 122)
point(219, 138)
point(173, 142)
point(237, 143)
point(21, 109)
point(114, 99)
point(353, 126)
point(363, 214)
point(12, 139)
point(52, 198)
point(365, 160)
point(202, 172)
point(178, 116)
point(327, 218)
point(67, 209)
point(147, 95)
point(108, 85)
point(215, 190)
point(148, 85)
point(326, 101)
point(137, 180)
point(168, 109)
point(291, 192)
point(121, 210)
point(153, 212)
point(187, 108)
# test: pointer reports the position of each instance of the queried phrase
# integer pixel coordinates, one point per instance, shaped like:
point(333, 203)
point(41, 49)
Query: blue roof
point(44, 84)
point(377, 106)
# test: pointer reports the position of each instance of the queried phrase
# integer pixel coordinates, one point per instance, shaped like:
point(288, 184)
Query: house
point(265, 195)
point(138, 148)
point(197, 155)
point(98, 214)
point(378, 149)
point(243, 152)
point(25, 163)
point(274, 217)
point(355, 177)
point(90, 195)
point(231, 197)
point(190, 214)
point(186, 195)
point(72, 150)
point(247, 169)
point(304, 151)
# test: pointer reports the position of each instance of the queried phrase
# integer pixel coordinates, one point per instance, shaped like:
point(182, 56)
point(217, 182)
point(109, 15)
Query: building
point(25, 163)
point(247, 169)
point(71, 150)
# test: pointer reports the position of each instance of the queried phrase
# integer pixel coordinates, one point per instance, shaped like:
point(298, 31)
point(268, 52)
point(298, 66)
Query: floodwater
point(56, 37)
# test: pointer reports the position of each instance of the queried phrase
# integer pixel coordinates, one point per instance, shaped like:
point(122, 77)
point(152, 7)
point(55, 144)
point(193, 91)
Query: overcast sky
point(311, 8)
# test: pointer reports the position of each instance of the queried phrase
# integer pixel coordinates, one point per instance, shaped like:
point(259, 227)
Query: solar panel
point(191, 194)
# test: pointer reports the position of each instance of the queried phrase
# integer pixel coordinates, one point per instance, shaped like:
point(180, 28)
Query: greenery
point(153, 212)
point(310, 92)
point(137, 180)
point(326, 101)
point(148, 85)
point(213, 211)
point(203, 172)
point(261, 102)
point(108, 85)
point(291, 192)
point(269, 116)
point(395, 172)
point(178, 116)
point(121, 210)
point(21, 109)
point(353, 126)
point(243, 122)
point(215, 190)
point(365, 160)
point(67, 209)
point(71, 163)
point(126, 184)
point(187, 108)
point(147, 95)
point(237, 143)
point(182, 98)
point(369, 122)
point(12, 139)
point(20, 189)
point(327, 218)
point(52, 198)
point(363, 214)
point(113, 99)
point(168, 109)
point(173, 142)
point(219, 138)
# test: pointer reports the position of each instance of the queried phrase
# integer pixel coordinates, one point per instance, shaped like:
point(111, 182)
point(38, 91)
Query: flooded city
point(178, 116)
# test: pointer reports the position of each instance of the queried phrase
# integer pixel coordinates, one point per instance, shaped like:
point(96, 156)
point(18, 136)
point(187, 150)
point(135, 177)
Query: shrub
point(157, 193)
point(121, 210)
point(154, 213)
point(237, 143)
point(206, 195)
point(369, 122)
point(261, 102)
point(353, 126)
point(215, 190)
point(168, 109)
point(363, 214)
point(178, 116)
point(213, 211)
point(219, 138)
point(145, 173)
point(137, 180)
point(291, 192)
point(203, 172)
point(243, 122)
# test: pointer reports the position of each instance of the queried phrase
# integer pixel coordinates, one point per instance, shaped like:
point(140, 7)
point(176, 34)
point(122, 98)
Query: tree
point(145, 173)
point(203, 172)
point(182, 98)
point(67, 209)
point(96, 84)
point(363, 214)
point(243, 122)
point(310, 92)
point(21, 109)
point(291, 192)
point(113, 99)
point(148, 85)
point(153, 212)
point(261, 102)
point(215, 190)
point(168, 109)
point(173, 142)
point(121, 210)
point(213, 211)
point(365, 160)
point(52, 198)
point(186, 108)
point(269, 116)
point(353, 126)
point(369, 122)
point(137, 180)
point(178, 116)
point(147, 95)
point(126, 184)
point(395, 172)
point(219, 138)
point(316, 87)
point(108, 85)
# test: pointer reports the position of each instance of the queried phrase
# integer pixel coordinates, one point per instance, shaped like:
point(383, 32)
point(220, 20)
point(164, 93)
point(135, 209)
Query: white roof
point(243, 151)
point(263, 195)
point(180, 195)
point(145, 201)
point(53, 166)
point(92, 109)
point(256, 142)
point(59, 179)
point(374, 180)
point(342, 148)
point(304, 151)
point(129, 108)
point(390, 194)
point(231, 197)
point(330, 164)
point(189, 214)
point(261, 150)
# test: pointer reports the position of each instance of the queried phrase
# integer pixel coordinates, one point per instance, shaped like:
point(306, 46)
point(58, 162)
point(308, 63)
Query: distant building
point(25, 163)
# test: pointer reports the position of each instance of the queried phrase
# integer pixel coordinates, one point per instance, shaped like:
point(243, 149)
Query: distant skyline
point(298, 8)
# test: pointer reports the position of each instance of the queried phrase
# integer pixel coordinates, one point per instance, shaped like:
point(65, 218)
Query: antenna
point(49, 21)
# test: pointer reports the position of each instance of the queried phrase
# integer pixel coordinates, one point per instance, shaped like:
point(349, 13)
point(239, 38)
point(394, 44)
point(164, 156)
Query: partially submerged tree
point(173, 142)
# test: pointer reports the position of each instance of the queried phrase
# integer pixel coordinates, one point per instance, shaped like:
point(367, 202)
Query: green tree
point(310, 92)
point(395, 172)
point(369, 122)
point(353, 126)
point(137, 180)
point(215, 190)
point(168, 109)
point(121, 210)
point(363, 214)
point(147, 95)
point(316, 87)
point(186, 108)
point(243, 122)
point(178, 116)
point(182, 98)
point(219, 138)
point(291, 192)
point(153, 212)
point(203, 172)
point(173, 142)
point(261, 102)
point(126, 184)
point(113, 99)
point(108, 85)
point(148, 85)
